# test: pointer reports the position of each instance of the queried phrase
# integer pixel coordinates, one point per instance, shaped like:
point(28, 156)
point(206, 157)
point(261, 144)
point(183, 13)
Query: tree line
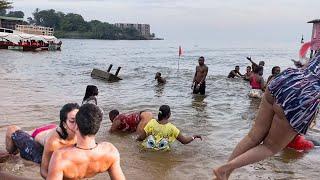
point(72, 25)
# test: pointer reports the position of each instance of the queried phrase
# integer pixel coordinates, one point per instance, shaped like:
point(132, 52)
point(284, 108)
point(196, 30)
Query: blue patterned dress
point(298, 93)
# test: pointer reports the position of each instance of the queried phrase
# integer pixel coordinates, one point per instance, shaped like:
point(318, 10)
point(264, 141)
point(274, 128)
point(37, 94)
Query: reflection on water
point(34, 86)
point(159, 89)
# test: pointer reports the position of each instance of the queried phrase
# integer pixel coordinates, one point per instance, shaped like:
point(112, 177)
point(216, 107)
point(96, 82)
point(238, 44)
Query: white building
point(144, 29)
point(38, 30)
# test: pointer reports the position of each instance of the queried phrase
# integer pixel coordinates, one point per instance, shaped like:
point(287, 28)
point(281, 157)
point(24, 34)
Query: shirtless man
point(86, 158)
point(255, 65)
point(63, 136)
point(129, 122)
point(235, 73)
point(199, 79)
point(160, 79)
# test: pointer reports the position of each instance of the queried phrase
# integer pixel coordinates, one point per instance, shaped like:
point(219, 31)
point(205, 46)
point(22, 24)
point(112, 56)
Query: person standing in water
point(247, 75)
point(90, 96)
point(199, 79)
point(255, 65)
point(235, 73)
point(274, 72)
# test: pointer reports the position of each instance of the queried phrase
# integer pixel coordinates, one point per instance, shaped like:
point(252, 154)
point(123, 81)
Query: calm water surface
point(34, 86)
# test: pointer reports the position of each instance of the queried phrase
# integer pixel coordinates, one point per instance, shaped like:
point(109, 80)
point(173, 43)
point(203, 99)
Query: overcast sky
point(214, 20)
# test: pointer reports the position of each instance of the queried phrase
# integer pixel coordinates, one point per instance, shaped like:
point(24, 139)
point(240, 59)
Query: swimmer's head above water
point(113, 114)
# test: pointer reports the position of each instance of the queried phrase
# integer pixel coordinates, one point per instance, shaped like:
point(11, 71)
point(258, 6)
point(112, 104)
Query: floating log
point(97, 73)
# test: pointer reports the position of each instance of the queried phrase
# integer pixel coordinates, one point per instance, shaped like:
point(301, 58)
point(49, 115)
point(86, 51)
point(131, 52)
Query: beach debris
point(106, 75)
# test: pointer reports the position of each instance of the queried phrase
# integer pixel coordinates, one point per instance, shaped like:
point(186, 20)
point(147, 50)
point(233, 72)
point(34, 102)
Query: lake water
point(35, 85)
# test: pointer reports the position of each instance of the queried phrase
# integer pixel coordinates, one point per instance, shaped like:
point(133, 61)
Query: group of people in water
point(254, 74)
point(69, 150)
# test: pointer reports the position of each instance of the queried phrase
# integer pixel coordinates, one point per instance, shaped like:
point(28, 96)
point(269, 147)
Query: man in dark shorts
point(199, 79)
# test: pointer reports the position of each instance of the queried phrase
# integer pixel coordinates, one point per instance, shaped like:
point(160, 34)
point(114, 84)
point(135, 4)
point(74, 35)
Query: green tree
point(47, 18)
point(3, 12)
point(73, 22)
point(18, 14)
point(5, 5)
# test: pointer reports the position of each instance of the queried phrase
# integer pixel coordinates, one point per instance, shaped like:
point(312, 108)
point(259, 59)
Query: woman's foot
point(220, 173)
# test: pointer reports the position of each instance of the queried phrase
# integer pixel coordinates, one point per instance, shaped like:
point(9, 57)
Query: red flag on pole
point(180, 51)
point(304, 49)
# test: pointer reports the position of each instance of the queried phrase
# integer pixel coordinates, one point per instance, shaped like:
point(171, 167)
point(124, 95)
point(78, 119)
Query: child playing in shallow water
point(160, 134)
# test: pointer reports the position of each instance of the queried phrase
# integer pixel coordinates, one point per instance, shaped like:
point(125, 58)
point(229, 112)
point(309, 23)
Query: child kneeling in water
point(160, 134)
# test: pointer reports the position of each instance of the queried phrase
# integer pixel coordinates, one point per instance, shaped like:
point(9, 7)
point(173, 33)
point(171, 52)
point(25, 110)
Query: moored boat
point(16, 40)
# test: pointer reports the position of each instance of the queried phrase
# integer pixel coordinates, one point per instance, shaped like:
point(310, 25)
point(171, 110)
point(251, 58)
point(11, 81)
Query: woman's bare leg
point(271, 145)
point(10, 146)
point(259, 129)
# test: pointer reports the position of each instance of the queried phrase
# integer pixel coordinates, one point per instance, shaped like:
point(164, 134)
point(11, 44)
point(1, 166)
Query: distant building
point(144, 29)
point(10, 22)
point(38, 30)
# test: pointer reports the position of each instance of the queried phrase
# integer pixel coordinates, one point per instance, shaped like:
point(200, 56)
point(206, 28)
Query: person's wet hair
point(249, 67)
point(201, 58)
point(261, 63)
point(273, 70)
point(88, 119)
point(64, 116)
point(164, 112)
point(91, 90)
point(237, 67)
point(158, 74)
point(113, 113)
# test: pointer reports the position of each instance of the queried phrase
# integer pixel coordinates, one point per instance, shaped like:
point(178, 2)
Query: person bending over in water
point(235, 73)
point(287, 108)
point(86, 158)
point(257, 84)
point(199, 79)
point(160, 79)
point(90, 96)
point(274, 72)
point(129, 122)
point(247, 75)
point(160, 134)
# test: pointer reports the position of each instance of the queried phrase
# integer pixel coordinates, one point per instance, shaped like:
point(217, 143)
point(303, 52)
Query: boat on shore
point(16, 40)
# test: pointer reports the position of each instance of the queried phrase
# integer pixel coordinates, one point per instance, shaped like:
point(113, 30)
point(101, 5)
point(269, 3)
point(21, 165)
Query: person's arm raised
point(187, 140)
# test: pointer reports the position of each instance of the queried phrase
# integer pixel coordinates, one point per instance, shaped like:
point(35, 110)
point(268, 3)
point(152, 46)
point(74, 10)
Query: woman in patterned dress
point(287, 108)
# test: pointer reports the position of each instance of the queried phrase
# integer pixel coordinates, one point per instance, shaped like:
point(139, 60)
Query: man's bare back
point(86, 158)
point(77, 163)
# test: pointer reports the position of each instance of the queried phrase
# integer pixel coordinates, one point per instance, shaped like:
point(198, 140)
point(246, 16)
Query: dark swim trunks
point(201, 89)
point(29, 149)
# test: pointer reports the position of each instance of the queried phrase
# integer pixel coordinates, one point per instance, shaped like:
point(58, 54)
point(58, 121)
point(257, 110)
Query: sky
point(219, 21)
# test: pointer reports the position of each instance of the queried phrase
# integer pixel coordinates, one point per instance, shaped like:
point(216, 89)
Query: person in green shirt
point(160, 134)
